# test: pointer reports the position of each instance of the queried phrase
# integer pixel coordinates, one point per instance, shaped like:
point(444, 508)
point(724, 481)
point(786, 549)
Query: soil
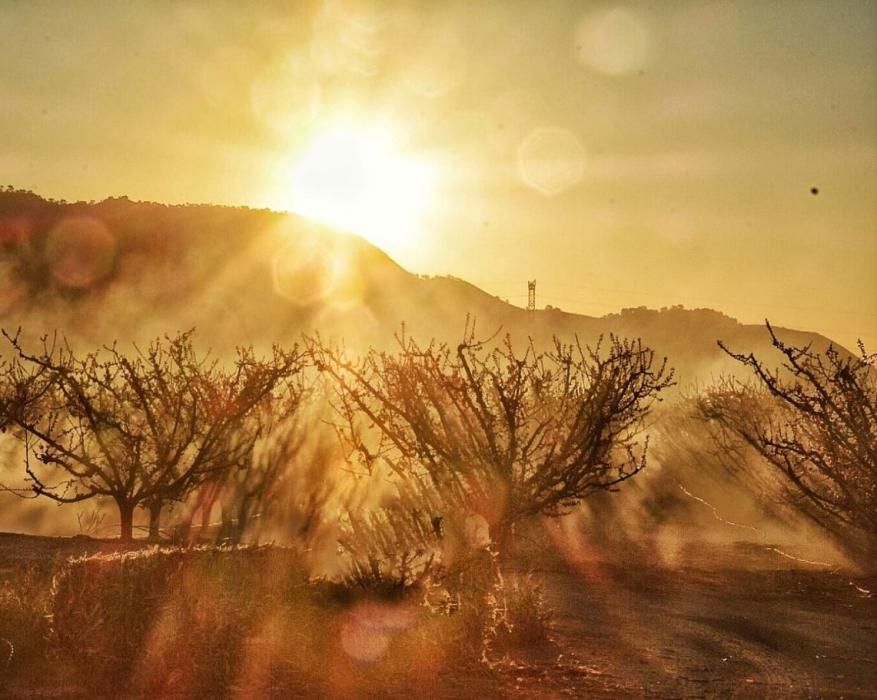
point(695, 633)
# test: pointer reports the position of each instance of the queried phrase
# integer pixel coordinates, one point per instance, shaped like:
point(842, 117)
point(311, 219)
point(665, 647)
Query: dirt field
point(696, 633)
point(706, 629)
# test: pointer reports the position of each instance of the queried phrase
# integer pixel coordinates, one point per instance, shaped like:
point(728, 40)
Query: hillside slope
point(128, 270)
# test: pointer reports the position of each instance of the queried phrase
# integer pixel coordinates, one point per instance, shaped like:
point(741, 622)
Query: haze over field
point(129, 271)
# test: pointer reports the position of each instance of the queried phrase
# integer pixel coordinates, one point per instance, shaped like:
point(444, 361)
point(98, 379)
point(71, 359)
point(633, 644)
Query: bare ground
point(693, 633)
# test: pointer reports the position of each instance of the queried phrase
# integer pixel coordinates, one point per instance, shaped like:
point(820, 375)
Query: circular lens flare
point(551, 160)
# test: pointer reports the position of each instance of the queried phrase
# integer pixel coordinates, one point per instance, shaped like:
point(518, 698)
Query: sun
point(363, 181)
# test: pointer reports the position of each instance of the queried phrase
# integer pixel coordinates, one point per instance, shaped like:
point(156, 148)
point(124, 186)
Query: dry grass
point(23, 622)
point(247, 622)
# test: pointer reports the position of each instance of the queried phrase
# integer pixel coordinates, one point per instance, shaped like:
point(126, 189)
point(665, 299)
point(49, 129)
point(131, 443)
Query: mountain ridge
point(122, 269)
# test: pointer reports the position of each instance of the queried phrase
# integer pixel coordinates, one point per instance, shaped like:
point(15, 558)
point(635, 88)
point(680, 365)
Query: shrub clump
point(523, 619)
point(489, 614)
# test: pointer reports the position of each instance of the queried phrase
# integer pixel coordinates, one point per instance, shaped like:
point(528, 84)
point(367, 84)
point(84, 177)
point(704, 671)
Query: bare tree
point(814, 420)
point(142, 430)
point(509, 433)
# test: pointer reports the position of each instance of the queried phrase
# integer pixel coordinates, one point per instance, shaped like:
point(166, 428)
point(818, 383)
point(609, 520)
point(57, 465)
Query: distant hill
point(126, 270)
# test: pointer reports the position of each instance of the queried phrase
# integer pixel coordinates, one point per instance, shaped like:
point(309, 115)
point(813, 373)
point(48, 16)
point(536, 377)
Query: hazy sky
point(621, 154)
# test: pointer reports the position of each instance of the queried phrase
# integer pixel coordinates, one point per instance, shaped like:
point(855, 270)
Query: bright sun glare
point(360, 180)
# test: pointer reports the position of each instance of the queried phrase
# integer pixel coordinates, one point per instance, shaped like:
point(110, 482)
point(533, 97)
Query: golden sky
point(621, 154)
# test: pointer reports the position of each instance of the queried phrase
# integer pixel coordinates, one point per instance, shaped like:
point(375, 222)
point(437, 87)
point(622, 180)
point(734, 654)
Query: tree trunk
point(502, 535)
point(155, 520)
point(206, 510)
point(126, 515)
point(243, 522)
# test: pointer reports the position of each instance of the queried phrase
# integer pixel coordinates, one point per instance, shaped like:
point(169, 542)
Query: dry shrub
point(472, 612)
point(389, 550)
point(523, 619)
point(488, 614)
point(178, 616)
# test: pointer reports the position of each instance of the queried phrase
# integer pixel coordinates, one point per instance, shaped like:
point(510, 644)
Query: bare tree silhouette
point(142, 430)
point(511, 434)
point(815, 420)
